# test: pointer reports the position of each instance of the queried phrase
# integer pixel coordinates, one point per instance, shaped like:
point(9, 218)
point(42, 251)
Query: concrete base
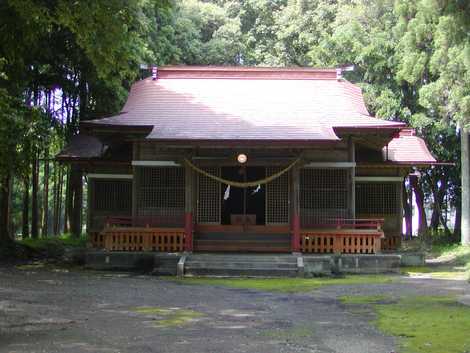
point(249, 265)
point(124, 260)
point(368, 264)
point(166, 264)
point(316, 265)
point(412, 259)
point(158, 263)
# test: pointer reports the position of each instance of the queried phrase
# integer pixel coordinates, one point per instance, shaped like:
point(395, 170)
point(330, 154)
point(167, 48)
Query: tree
point(437, 52)
point(83, 56)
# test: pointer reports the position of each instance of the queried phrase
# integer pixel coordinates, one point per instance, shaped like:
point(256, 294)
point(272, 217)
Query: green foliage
point(52, 248)
point(19, 127)
point(286, 285)
point(427, 324)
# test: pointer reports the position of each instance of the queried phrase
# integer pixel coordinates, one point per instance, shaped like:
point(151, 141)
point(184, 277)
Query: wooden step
point(241, 247)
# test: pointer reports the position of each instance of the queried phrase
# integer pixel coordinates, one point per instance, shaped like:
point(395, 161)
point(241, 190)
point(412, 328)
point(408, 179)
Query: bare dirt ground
point(55, 310)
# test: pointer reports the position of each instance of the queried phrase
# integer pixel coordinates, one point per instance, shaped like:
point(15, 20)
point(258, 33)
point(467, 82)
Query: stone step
point(244, 265)
point(237, 272)
point(242, 258)
point(240, 265)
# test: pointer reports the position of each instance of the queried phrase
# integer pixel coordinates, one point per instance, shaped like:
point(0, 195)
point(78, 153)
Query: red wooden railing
point(343, 235)
point(144, 239)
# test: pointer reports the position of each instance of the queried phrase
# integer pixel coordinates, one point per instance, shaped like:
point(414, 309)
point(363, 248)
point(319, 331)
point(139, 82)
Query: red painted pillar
point(295, 198)
point(295, 239)
point(188, 230)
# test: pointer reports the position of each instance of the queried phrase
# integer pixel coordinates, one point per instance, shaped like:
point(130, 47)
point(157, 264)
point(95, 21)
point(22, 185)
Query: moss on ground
point(437, 272)
point(363, 299)
point(287, 285)
point(423, 324)
point(169, 317)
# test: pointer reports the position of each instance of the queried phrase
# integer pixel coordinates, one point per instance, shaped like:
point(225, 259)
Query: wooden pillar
point(295, 198)
point(135, 194)
point(188, 215)
point(352, 178)
point(77, 189)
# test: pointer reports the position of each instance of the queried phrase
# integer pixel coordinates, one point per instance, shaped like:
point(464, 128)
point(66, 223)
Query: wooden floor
point(242, 242)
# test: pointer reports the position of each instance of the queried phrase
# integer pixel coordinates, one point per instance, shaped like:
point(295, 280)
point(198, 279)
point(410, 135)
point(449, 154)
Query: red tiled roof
point(233, 103)
point(409, 149)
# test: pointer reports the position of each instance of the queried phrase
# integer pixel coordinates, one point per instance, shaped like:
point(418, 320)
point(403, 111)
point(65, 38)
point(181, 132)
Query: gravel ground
point(53, 310)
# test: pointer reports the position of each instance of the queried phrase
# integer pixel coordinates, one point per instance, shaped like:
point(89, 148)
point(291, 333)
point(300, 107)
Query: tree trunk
point(68, 202)
point(45, 222)
point(59, 200)
point(438, 193)
point(55, 203)
point(408, 214)
point(76, 214)
point(25, 220)
point(465, 161)
point(34, 199)
point(419, 197)
point(458, 221)
point(5, 204)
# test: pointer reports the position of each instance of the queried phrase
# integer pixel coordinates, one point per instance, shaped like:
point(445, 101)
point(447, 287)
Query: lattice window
point(377, 198)
point(208, 206)
point(112, 196)
point(160, 191)
point(277, 198)
point(323, 195)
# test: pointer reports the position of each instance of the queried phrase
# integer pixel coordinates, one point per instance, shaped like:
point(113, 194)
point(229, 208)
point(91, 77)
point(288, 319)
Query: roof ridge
point(245, 72)
point(243, 68)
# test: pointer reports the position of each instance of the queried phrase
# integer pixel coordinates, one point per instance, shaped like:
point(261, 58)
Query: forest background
point(62, 62)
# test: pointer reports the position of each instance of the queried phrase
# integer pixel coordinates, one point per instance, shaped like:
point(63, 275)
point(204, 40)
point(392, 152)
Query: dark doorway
point(250, 201)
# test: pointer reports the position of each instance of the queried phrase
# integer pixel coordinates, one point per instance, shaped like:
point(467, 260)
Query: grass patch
point(423, 324)
point(169, 317)
point(437, 272)
point(287, 285)
point(362, 299)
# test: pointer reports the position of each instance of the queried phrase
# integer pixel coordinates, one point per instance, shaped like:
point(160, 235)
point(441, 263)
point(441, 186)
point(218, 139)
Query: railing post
point(337, 244)
point(295, 239)
point(188, 230)
point(106, 241)
point(378, 245)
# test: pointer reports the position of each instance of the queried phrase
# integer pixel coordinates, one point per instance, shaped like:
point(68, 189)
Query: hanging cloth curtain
point(239, 184)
